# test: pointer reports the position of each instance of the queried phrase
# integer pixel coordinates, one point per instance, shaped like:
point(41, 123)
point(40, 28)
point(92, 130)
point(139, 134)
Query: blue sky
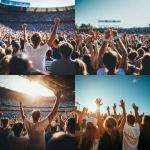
point(132, 89)
point(18, 83)
point(132, 13)
point(49, 3)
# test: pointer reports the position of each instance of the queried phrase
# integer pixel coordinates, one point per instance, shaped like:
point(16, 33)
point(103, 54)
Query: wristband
point(105, 40)
point(116, 37)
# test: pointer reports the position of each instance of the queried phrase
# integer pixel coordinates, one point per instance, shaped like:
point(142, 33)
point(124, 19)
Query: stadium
point(9, 104)
point(13, 14)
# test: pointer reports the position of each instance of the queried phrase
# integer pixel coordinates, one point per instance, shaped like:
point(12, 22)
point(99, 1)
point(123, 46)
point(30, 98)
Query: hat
point(85, 117)
point(16, 44)
point(92, 120)
point(53, 123)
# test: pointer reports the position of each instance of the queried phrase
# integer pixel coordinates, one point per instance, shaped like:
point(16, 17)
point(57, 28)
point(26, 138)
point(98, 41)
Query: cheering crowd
point(96, 131)
point(112, 53)
point(38, 53)
point(28, 132)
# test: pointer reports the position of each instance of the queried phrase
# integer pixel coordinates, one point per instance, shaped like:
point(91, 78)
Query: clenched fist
point(56, 20)
point(24, 26)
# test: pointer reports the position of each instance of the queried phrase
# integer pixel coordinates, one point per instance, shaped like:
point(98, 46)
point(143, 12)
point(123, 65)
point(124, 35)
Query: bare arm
point(24, 26)
point(81, 115)
point(22, 111)
point(55, 107)
point(100, 123)
point(137, 118)
point(54, 32)
point(123, 61)
point(103, 48)
point(108, 110)
point(120, 128)
point(115, 113)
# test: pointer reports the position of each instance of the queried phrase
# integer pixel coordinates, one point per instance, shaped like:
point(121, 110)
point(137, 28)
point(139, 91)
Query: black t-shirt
point(143, 143)
point(106, 143)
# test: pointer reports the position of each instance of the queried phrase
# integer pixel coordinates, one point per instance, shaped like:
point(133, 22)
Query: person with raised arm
point(110, 133)
point(107, 60)
point(37, 53)
point(37, 128)
point(131, 131)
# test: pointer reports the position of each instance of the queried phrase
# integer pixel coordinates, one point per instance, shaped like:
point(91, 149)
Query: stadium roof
point(5, 8)
point(53, 9)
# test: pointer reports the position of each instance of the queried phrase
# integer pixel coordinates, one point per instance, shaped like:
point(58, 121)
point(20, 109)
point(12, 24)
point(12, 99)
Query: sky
point(132, 13)
point(48, 3)
point(111, 89)
point(18, 83)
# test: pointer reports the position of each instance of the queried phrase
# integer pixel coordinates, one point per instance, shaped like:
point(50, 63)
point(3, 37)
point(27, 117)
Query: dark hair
point(17, 128)
point(49, 53)
point(130, 119)
point(132, 55)
point(110, 60)
point(146, 64)
point(36, 39)
point(65, 49)
point(35, 115)
point(140, 52)
point(8, 51)
point(18, 64)
point(61, 141)
point(5, 121)
point(56, 41)
point(71, 125)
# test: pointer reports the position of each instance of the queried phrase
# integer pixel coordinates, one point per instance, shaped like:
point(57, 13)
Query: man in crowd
point(36, 129)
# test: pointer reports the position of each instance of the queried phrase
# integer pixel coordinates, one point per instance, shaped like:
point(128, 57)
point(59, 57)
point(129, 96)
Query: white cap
point(92, 120)
point(85, 117)
point(53, 123)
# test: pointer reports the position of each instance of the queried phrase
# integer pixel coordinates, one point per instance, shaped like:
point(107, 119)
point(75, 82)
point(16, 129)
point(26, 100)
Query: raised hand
point(122, 104)
point(114, 33)
point(107, 34)
point(98, 102)
point(114, 107)
point(135, 107)
point(20, 104)
point(58, 94)
point(56, 20)
point(24, 26)
point(108, 109)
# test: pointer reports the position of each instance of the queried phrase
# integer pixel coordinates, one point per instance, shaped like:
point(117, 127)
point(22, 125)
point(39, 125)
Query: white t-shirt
point(18, 143)
point(36, 132)
point(104, 71)
point(37, 55)
point(130, 137)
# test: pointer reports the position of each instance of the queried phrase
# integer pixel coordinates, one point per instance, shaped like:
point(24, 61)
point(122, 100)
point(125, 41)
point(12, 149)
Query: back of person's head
point(139, 45)
point(61, 141)
point(132, 55)
point(49, 53)
point(17, 128)
point(110, 59)
point(111, 123)
point(73, 43)
point(129, 49)
point(16, 47)
point(87, 59)
point(8, 51)
point(130, 119)
point(146, 64)
point(140, 52)
point(71, 125)
point(18, 64)
point(88, 137)
point(65, 49)
point(5, 122)
point(35, 115)
point(2, 53)
point(80, 67)
point(56, 41)
point(36, 39)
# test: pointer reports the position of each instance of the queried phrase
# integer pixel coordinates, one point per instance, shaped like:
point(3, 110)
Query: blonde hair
point(80, 67)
